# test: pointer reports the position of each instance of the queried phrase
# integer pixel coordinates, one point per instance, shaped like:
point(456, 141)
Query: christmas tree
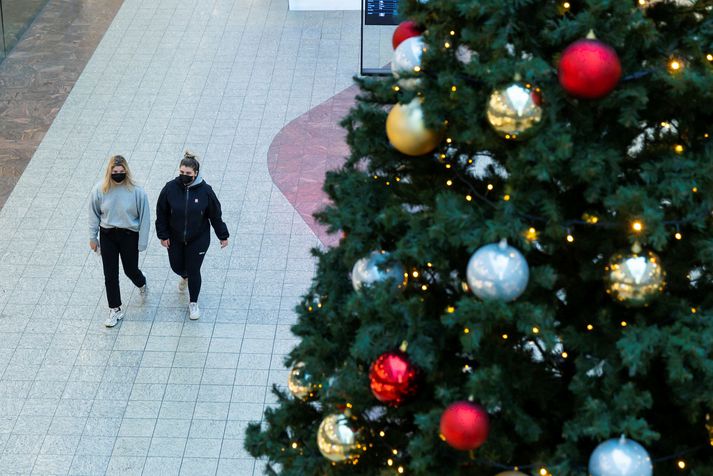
point(525, 279)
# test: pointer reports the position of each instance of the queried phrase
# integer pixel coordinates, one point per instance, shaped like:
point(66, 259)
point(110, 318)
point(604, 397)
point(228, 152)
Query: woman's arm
point(144, 218)
point(94, 216)
point(215, 215)
point(163, 216)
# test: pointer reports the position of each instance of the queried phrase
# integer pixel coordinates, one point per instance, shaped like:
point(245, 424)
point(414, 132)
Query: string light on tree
point(531, 234)
point(675, 65)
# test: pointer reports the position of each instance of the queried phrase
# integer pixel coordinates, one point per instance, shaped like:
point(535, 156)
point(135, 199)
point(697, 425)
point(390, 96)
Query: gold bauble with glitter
point(514, 110)
point(407, 131)
point(635, 277)
point(337, 438)
point(301, 383)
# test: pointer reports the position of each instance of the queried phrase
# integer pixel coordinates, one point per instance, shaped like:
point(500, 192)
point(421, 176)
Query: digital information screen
point(381, 12)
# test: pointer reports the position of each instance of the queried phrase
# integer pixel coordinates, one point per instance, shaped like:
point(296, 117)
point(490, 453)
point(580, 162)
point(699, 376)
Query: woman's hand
point(223, 243)
point(93, 245)
point(166, 243)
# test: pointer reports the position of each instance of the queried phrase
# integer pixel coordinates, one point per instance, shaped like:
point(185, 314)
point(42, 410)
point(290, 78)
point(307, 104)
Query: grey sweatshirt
point(121, 207)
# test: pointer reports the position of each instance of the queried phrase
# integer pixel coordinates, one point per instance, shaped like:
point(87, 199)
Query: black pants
point(186, 260)
point(115, 242)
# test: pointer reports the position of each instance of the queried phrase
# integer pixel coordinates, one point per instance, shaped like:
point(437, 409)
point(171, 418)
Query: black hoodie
point(183, 212)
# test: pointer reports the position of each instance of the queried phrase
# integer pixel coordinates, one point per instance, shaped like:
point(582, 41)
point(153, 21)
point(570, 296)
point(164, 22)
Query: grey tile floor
point(160, 394)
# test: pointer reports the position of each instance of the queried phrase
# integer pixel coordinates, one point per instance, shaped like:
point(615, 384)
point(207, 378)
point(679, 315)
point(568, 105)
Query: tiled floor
point(40, 71)
point(304, 151)
point(160, 394)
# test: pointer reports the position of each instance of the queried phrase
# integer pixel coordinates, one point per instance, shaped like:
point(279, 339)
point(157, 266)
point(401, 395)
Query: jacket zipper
point(185, 227)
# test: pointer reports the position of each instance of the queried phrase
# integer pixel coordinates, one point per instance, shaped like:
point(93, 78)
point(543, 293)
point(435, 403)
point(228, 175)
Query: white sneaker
point(193, 311)
point(144, 292)
point(115, 315)
point(182, 285)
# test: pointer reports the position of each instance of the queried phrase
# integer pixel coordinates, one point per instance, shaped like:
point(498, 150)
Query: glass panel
point(17, 16)
point(378, 51)
point(2, 34)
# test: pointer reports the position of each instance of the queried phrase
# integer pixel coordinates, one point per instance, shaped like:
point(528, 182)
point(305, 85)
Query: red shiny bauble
point(465, 425)
point(404, 31)
point(393, 378)
point(589, 69)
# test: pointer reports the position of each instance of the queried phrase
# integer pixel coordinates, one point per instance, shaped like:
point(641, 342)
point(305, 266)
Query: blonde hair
point(115, 161)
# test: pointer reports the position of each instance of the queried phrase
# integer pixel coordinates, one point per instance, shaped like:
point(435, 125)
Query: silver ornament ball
point(407, 56)
point(301, 383)
point(498, 272)
point(377, 267)
point(620, 457)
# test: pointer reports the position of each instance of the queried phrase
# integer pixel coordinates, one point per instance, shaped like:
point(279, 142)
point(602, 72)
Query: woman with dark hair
point(119, 222)
point(186, 208)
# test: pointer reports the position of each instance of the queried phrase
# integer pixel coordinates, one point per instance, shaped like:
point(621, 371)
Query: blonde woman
point(119, 221)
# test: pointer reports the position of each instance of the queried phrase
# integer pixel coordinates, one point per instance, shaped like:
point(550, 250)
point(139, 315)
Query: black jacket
point(183, 213)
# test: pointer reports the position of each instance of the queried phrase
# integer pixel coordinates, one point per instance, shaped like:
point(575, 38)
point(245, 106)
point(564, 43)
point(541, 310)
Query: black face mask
point(185, 179)
point(118, 177)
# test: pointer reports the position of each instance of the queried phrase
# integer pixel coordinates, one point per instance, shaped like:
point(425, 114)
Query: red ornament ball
point(465, 425)
point(404, 31)
point(393, 378)
point(589, 69)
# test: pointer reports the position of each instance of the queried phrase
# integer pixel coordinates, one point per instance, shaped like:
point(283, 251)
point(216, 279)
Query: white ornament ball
point(407, 60)
point(498, 272)
point(620, 457)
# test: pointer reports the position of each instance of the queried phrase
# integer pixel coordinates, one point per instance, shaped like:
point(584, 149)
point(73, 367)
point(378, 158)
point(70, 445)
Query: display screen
point(381, 12)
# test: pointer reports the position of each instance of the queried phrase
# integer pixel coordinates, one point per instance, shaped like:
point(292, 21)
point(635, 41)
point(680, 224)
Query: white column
point(325, 4)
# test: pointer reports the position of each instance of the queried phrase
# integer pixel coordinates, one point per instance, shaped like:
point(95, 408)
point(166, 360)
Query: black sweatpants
point(186, 260)
point(115, 242)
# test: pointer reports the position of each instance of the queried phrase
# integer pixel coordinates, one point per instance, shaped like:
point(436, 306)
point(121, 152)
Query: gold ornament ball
point(300, 383)
point(514, 110)
point(407, 130)
point(635, 277)
point(337, 439)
